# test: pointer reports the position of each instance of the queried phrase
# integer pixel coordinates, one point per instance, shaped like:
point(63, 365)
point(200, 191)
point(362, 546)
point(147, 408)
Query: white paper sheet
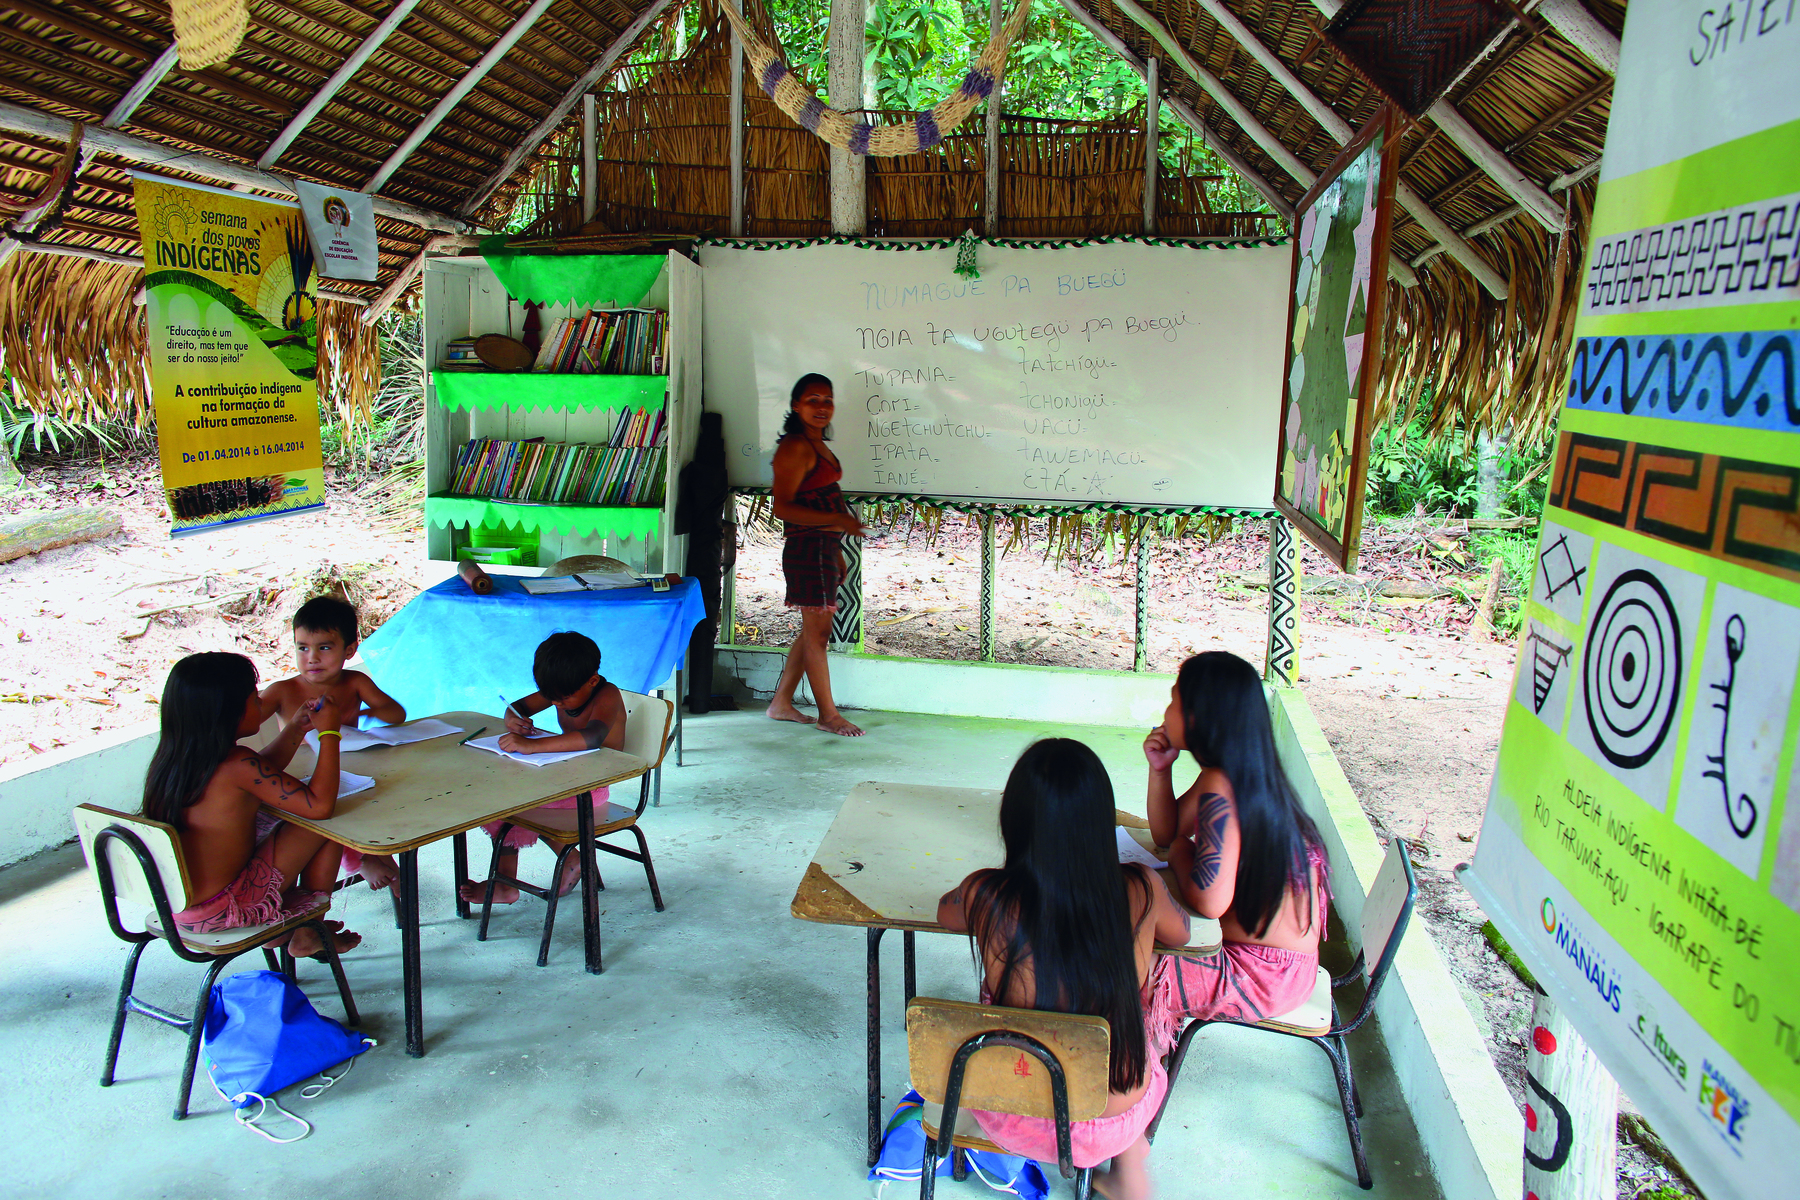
point(492, 746)
point(388, 735)
point(348, 783)
point(1132, 851)
point(607, 581)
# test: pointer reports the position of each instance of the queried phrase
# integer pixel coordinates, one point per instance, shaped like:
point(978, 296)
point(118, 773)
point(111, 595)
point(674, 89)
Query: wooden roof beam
point(1584, 32)
point(18, 119)
point(530, 143)
point(140, 91)
point(1421, 212)
point(464, 86)
point(339, 78)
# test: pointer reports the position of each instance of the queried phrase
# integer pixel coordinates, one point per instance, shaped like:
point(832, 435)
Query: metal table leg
point(875, 1044)
point(912, 974)
point(460, 848)
point(680, 682)
point(590, 878)
point(410, 975)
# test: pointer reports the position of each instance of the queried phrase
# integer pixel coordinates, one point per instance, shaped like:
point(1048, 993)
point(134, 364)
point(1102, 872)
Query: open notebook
point(594, 582)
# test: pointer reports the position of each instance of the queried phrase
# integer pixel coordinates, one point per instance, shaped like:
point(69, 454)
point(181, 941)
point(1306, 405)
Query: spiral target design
point(1632, 669)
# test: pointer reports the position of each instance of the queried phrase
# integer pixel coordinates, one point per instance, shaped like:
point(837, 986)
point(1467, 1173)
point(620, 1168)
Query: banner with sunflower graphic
point(231, 293)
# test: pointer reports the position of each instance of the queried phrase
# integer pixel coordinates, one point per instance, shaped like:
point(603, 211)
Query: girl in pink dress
point(1241, 848)
point(1065, 927)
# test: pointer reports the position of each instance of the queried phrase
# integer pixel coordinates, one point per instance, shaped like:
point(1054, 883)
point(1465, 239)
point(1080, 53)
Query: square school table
point(891, 851)
point(450, 649)
point(427, 791)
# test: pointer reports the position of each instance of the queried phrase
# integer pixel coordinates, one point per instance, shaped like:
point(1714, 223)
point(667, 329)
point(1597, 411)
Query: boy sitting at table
point(325, 635)
point(591, 713)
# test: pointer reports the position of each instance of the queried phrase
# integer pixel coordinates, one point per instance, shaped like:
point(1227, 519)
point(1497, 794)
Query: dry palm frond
point(349, 363)
point(72, 340)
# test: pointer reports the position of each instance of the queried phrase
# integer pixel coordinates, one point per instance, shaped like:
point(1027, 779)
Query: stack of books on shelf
point(626, 341)
point(628, 471)
point(459, 355)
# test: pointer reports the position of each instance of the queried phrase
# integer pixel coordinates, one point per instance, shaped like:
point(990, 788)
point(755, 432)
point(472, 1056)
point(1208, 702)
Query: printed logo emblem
point(1587, 961)
point(1722, 1102)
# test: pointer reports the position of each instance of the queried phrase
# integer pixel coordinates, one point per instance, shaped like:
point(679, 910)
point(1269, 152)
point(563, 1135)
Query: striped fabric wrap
point(926, 129)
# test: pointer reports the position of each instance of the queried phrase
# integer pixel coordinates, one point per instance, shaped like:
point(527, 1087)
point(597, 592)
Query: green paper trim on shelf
point(1017, 508)
point(486, 390)
point(871, 243)
point(567, 520)
point(582, 280)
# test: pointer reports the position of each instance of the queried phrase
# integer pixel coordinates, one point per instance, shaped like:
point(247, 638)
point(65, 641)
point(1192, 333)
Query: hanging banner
point(1641, 848)
point(342, 225)
point(234, 348)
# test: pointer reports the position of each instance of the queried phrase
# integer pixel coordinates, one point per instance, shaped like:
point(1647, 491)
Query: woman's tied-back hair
point(793, 424)
point(1228, 728)
point(563, 662)
point(202, 703)
point(1062, 903)
point(329, 614)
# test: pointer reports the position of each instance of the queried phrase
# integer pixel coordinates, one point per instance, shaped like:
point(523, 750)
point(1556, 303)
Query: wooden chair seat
point(558, 824)
point(966, 1136)
point(235, 941)
point(1312, 1018)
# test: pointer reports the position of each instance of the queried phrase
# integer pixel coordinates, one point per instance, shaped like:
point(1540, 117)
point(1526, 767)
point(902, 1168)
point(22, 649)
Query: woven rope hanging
point(208, 31)
point(925, 130)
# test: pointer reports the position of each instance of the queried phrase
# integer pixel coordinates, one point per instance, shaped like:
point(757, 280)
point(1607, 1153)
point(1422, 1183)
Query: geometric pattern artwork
point(1545, 668)
point(1637, 654)
point(1744, 255)
point(1414, 49)
point(846, 622)
point(1736, 509)
point(1745, 380)
point(1282, 664)
point(1564, 559)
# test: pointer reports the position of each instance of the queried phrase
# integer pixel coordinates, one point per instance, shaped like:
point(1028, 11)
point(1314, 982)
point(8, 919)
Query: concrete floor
point(720, 1054)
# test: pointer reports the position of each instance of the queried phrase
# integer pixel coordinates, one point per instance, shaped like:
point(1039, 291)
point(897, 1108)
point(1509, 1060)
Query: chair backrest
point(129, 881)
point(1388, 909)
point(1002, 1078)
point(647, 720)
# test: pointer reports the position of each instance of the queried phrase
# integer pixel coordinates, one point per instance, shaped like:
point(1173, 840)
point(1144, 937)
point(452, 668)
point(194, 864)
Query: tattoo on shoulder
point(1209, 847)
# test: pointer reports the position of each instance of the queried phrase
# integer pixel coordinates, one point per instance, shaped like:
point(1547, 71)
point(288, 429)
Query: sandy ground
point(1410, 702)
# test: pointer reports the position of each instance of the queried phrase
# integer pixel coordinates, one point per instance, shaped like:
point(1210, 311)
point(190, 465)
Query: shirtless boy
point(325, 635)
point(591, 713)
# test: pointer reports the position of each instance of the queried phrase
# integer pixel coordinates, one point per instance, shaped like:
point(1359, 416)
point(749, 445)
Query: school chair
point(1386, 914)
point(967, 1056)
point(647, 736)
point(136, 860)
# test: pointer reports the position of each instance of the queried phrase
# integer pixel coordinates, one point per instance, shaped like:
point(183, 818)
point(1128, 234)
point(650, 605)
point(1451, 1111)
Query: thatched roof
point(1536, 102)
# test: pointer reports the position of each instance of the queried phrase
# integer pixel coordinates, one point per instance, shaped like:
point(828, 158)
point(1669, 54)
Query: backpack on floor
point(903, 1158)
point(262, 1034)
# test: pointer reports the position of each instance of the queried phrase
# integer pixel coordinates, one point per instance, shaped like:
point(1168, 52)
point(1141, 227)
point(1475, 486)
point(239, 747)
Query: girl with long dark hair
point(1064, 927)
point(1241, 848)
point(251, 868)
point(815, 518)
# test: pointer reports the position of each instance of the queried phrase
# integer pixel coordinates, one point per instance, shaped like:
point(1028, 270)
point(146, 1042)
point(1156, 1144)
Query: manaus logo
point(1723, 1104)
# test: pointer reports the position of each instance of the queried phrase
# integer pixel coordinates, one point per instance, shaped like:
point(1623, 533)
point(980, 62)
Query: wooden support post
point(1140, 655)
point(990, 209)
point(590, 158)
point(988, 570)
point(1571, 1112)
point(847, 622)
point(736, 139)
point(1152, 120)
point(1282, 666)
point(844, 58)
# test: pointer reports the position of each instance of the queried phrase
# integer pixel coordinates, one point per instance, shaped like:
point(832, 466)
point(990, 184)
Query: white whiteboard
point(1122, 373)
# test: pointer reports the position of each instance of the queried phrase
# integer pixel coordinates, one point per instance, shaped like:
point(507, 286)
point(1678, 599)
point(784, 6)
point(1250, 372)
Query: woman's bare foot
point(837, 724)
point(305, 941)
point(476, 893)
point(379, 870)
point(787, 712)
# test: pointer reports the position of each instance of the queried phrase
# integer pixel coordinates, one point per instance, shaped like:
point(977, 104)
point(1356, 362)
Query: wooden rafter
point(339, 78)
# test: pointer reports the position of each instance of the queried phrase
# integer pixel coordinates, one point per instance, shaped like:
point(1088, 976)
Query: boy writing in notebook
point(591, 714)
point(325, 636)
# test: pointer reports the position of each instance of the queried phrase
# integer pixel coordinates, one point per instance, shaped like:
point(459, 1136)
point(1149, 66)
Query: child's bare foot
point(379, 870)
point(839, 726)
point(305, 941)
point(476, 893)
point(787, 712)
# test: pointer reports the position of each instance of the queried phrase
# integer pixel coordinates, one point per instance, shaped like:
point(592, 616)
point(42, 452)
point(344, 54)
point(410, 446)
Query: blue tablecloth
point(450, 650)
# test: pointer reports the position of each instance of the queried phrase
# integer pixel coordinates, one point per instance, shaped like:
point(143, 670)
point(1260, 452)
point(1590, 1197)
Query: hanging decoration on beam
point(840, 129)
point(1413, 50)
point(208, 32)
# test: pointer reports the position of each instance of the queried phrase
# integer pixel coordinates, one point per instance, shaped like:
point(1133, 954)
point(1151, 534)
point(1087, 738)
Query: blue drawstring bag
point(262, 1034)
point(903, 1157)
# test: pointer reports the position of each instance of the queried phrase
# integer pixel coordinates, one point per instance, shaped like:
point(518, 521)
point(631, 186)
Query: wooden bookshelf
point(464, 298)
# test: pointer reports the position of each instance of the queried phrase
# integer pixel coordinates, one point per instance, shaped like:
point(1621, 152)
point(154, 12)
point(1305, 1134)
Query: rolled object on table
point(478, 580)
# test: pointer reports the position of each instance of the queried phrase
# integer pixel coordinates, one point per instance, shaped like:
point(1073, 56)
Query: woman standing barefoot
point(807, 500)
